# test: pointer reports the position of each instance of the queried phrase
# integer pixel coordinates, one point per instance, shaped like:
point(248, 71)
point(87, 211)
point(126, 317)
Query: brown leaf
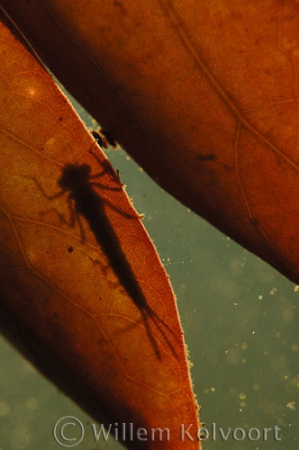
point(82, 289)
point(202, 94)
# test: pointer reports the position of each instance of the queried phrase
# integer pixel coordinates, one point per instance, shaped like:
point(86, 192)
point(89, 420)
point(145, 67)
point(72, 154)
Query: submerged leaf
point(202, 94)
point(83, 292)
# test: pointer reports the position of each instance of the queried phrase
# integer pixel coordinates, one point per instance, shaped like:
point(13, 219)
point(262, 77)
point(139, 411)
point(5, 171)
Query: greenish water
point(240, 319)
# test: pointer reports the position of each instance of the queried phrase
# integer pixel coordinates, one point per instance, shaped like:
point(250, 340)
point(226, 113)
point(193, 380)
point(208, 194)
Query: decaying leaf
point(83, 292)
point(202, 94)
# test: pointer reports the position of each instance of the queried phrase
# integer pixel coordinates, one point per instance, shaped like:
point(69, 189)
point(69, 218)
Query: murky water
point(241, 325)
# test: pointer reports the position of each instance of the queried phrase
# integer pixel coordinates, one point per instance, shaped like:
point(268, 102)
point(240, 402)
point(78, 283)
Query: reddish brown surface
point(121, 357)
point(203, 94)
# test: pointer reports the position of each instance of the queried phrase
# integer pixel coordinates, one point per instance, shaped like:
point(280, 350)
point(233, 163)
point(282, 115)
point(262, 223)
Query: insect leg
point(107, 169)
point(39, 186)
point(74, 217)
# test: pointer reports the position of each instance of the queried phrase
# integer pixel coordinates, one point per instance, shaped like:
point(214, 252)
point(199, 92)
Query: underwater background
point(240, 319)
